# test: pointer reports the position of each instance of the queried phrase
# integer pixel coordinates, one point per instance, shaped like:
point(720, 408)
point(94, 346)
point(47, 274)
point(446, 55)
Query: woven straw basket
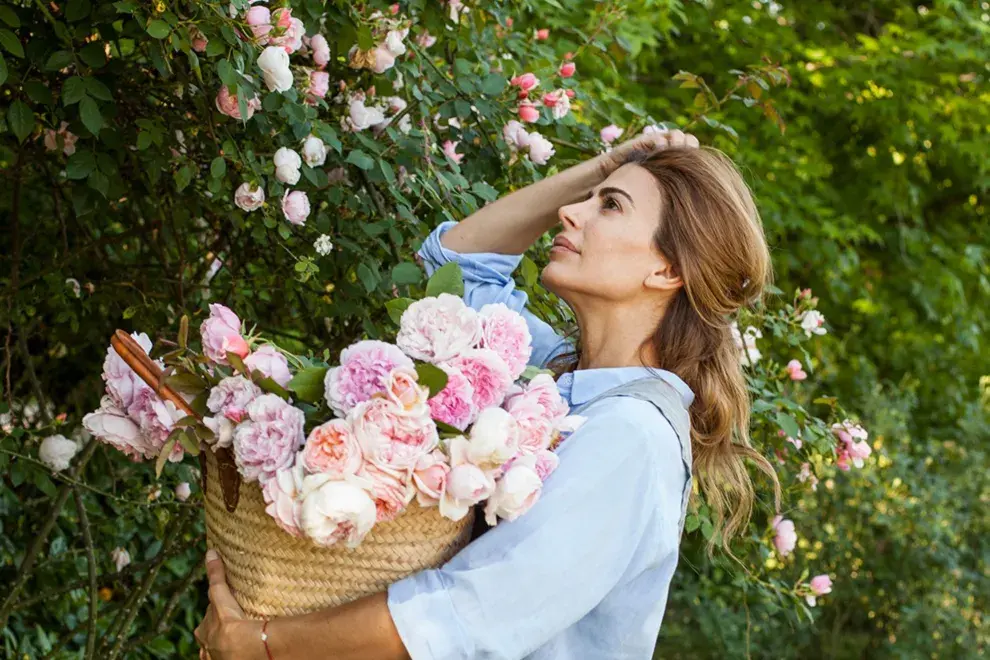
point(274, 574)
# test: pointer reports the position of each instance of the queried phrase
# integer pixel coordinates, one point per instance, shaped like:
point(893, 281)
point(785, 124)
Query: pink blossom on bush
point(528, 112)
point(249, 197)
point(424, 39)
point(282, 492)
point(259, 17)
point(430, 477)
point(271, 362)
point(231, 396)
point(227, 104)
point(68, 139)
point(567, 69)
point(183, 491)
point(321, 50)
point(820, 585)
point(454, 404)
point(785, 538)
point(806, 475)
point(515, 135)
point(384, 60)
point(795, 370)
point(221, 333)
point(853, 444)
point(390, 439)
point(525, 82)
point(448, 150)
point(487, 373)
point(295, 206)
point(332, 448)
point(813, 323)
point(543, 34)
point(540, 149)
point(269, 439)
point(391, 489)
point(610, 133)
point(504, 331)
point(364, 370)
point(197, 40)
point(439, 328)
point(319, 84)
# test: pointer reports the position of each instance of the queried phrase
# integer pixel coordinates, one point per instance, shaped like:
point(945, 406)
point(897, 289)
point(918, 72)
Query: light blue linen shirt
point(585, 572)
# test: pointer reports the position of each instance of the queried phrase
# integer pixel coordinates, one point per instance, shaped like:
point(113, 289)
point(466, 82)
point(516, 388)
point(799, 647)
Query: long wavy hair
point(709, 230)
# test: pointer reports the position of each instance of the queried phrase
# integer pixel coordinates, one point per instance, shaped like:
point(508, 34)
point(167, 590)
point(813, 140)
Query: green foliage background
point(874, 196)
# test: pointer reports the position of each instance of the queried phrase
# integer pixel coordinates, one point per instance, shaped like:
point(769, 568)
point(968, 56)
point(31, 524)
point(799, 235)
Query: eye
point(609, 203)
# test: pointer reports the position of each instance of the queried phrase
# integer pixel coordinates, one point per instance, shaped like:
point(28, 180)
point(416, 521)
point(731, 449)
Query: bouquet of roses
point(448, 415)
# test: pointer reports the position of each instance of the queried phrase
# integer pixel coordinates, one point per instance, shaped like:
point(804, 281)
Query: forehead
point(638, 182)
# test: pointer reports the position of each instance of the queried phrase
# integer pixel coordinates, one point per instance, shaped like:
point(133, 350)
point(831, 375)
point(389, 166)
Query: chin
point(554, 278)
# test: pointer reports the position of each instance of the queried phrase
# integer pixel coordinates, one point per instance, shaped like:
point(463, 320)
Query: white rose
point(515, 492)
point(314, 151)
point(540, 149)
point(121, 558)
point(466, 483)
point(249, 198)
point(183, 491)
point(334, 510)
point(393, 42)
point(362, 117)
point(274, 65)
point(812, 322)
point(494, 439)
point(56, 452)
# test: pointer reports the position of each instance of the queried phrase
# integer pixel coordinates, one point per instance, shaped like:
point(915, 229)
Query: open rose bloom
point(446, 415)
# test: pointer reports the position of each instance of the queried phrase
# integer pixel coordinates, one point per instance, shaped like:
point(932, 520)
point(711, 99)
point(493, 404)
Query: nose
point(569, 215)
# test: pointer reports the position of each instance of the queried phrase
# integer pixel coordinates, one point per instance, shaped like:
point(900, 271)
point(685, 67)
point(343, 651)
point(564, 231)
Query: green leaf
point(218, 167)
point(125, 7)
point(182, 177)
point(361, 159)
point(93, 54)
point(21, 119)
point(189, 443)
point(99, 182)
point(11, 43)
point(97, 89)
point(493, 84)
point(308, 383)
point(407, 273)
point(58, 60)
point(396, 306)
point(8, 16)
point(186, 383)
point(368, 277)
point(268, 384)
point(446, 430)
point(707, 529)
point(77, 10)
point(38, 92)
point(73, 91)
point(89, 112)
point(237, 363)
point(80, 165)
point(446, 279)
point(789, 425)
point(165, 453)
point(432, 377)
point(184, 331)
point(691, 523)
point(131, 311)
point(158, 29)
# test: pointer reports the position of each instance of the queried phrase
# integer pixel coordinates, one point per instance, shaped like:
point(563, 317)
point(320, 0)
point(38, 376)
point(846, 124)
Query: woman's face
point(605, 248)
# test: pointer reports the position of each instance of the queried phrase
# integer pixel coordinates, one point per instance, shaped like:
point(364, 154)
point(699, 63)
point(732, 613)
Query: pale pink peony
point(540, 149)
point(269, 439)
point(494, 439)
point(786, 537)
point(122, 382)
point(335, 510)
point(183, 491)
point(68, 139)
point(487, 373)
point(249, 197)
point(515, 492)
point(466, 485)
point(271, 362)
point(333, 449)
point(454, 404)
point(528, 112)
point(295, 206)
point(610, 133)
point(545, 464)
point(535, 427)
point(430, 477)
point(221, 333)
point(438, 329)
point(156, 418)
point(223, 431)
point(321, 50)
point(227, 104)
point(364, 371)
point(391, 489)
point(795, 370)
point(448, 150)
point(525, 82)
point(567, 69)
point(390, 439)
point(231, 396)
point(319, 84)
point(282, 492)
point(110, 424)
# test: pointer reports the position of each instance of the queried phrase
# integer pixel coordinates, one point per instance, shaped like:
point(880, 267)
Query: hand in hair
point(646, 143)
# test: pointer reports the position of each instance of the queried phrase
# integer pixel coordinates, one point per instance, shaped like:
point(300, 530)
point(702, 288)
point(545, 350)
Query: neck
point(616, 335)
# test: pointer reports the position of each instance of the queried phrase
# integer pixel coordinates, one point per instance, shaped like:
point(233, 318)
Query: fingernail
point(211, 554)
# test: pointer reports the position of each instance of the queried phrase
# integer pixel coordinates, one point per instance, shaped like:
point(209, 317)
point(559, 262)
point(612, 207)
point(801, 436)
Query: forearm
point(356, 631)
point(513, 223)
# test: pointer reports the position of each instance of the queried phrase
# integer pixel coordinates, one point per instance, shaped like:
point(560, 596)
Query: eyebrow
point(619, 191)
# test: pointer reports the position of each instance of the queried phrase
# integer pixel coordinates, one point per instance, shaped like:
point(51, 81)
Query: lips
point(562, 242)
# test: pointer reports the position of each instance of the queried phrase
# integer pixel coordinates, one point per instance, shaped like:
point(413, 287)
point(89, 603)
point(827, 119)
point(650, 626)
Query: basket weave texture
point(275, 574)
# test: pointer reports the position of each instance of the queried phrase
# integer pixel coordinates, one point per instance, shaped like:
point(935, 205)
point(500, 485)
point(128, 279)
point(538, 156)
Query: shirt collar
point(582, 385)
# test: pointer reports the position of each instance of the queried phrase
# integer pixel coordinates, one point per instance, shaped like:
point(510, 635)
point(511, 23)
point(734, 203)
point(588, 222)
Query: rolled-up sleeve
point(488, 279)
point(603, 516)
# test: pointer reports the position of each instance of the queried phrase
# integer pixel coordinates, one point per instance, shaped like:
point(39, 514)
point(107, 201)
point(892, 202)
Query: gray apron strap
point(668, 401)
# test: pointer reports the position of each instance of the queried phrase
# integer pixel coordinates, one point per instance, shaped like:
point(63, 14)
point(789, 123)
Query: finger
point(214, 568)
point(676, 139)
point(692, 142)
point(220, 594)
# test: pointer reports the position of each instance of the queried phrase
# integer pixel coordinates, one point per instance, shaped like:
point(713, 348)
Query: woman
point(660, 244)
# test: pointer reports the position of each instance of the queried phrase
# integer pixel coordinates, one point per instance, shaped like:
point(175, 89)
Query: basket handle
point(142, 364)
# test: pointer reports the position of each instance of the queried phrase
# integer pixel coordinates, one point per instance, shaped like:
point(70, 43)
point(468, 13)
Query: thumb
point(220, 593)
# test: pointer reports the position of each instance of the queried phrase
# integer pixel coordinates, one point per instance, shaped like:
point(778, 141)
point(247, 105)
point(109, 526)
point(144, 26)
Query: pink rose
point(610, 133)
point(535, 427)
point(785, 538)
point(332, 448)
point(558, 102)
point(494, 439)
point(231, 396)
point(528, 112)
point(390, 490)
point(515, 492)
point(544, 389)
point(364, 370)
point(183, 491)
point(448, 150)
point(295, 206)
point(853, 444)
point(795, 370)
point(424, 39)
point(454, 404)
point(384, 60)
point(438, 329)
point(543, 35)
point(321, 50)
point(122, 383)
point(820, 585)
point(272, 363)
point(269, 439)
point(567, 69)
point(540, 149)
point(390, 439)
point(249, 197)
point(335, 510)
point(525, 82)
point(282, 498)
point(487, 373)
point(430, 477)
point(319, 84)
point(111, 425)
point(408, 395)
point(221, 334)
point(515, 135)
point(227, 104)
point(68, 139)
point(259, 17)
point(466, 485)
point(291, 39)
point(197, 40)
point(283, 17)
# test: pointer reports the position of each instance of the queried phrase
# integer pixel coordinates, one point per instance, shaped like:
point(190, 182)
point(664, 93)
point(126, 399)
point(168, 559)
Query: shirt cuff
point(424, 615)
point(477, 266)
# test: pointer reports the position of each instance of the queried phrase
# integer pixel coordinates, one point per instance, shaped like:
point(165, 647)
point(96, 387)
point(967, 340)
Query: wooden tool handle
point(142, 364)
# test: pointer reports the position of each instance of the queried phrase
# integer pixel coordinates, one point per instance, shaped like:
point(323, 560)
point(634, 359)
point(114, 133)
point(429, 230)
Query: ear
point(664, 277)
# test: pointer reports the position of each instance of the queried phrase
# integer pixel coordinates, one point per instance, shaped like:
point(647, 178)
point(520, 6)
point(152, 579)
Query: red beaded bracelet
point(264, 640)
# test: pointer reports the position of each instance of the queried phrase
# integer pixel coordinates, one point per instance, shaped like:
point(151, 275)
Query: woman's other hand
point(226, 633)
point(646, 143)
